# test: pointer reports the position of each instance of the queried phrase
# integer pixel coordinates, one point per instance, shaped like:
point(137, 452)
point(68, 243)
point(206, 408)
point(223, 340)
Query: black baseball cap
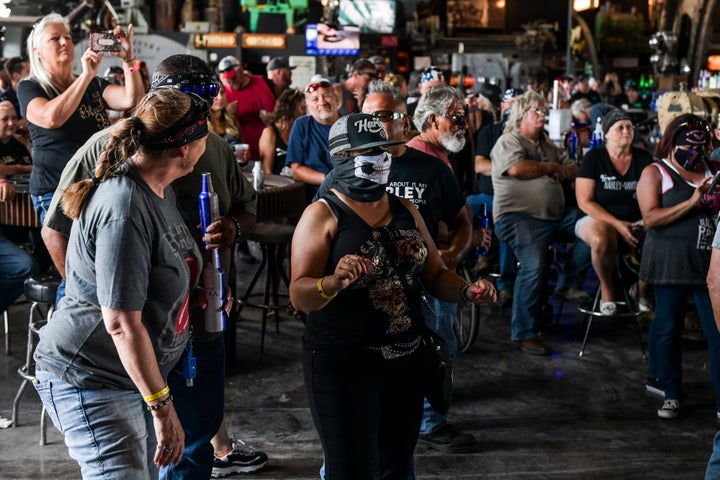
point(357, 131)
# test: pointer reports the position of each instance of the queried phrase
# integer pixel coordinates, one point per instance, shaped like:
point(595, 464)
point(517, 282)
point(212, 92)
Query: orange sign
point(216, 40)
point(264, 40)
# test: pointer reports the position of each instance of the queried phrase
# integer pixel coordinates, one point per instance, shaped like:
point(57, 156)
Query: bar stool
point(627, 306)
point(41, 290)
point(272, 237)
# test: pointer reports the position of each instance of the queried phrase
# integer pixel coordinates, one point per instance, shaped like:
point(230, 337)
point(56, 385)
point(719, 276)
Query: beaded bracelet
point(156, 395)
point(322, 292)
point(158, 406)
point(462, 293)
point(238, 230)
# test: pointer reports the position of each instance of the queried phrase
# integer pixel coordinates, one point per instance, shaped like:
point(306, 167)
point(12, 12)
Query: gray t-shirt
point(235, 195)
point(540, 197)
point(129, 250)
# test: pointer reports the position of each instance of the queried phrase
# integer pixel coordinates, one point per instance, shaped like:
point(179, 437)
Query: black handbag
point(436, 370)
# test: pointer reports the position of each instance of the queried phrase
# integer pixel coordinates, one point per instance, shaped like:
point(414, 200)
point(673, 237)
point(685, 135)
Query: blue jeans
point(506, 258)
point(713, 466)
point(442, 324)
point(41, 203)
point(108, 432)
point(15, 266)
point(529, 239)
point(200, 408)
point(665, 336)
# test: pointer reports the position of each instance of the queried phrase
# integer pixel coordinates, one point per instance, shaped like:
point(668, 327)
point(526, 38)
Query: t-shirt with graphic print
point(129, 250)
point(52, 148)
point(615, 192)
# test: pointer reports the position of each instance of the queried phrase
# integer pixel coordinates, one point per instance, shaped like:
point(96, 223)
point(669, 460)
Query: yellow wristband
point(157, 395)
point(322, 292)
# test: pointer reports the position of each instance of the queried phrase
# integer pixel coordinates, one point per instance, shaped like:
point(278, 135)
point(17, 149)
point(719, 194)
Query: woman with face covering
point(360, 259)
point(680, 217)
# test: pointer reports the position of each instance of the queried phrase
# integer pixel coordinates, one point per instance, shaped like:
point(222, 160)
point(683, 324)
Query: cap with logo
point(430, 74)
point(357, 131)
point(511, 93)
point(278, 62)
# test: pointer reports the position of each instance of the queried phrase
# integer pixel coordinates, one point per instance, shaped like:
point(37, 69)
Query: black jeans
point(366, 409)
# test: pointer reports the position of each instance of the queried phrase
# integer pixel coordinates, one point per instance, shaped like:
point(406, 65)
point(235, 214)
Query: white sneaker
point(608, 308)
point(670, 409)
point(644, 305)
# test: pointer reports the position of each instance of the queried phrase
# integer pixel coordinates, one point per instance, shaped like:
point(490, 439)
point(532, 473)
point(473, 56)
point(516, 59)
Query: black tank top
point(382, 307)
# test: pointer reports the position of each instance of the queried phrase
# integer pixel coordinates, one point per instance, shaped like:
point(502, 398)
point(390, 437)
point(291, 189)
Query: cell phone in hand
point(714, 183)
point(104, 42)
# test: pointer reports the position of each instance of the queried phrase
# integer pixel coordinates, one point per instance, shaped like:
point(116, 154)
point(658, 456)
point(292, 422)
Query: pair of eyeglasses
point(206, 90)
point(388, 115)
point(458, 119)
point(317, 85)
point(539, 111)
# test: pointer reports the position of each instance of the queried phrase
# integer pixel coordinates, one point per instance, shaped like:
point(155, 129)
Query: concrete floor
point(559, 417)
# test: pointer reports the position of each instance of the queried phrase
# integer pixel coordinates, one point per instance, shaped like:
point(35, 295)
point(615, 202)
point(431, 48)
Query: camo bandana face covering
point(363, 177)
point(691, 157)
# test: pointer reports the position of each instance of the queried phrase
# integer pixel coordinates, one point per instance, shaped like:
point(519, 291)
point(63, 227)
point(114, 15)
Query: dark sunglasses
point(695, 125)
point(317, 85)
point(458, 119)
point(387, 115)
point(370, 74)
point(207, 90)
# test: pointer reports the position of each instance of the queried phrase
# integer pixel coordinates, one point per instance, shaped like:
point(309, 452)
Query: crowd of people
point(396, 175)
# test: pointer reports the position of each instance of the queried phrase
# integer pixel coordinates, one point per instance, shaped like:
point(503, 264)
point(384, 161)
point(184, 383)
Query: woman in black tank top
point(360, 260)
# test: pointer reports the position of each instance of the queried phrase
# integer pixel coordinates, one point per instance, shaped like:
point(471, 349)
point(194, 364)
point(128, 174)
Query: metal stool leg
point(7, 332)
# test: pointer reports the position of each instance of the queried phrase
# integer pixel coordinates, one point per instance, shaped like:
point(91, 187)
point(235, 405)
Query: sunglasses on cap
point(388, 115)
point(458, 119)
point(317, 85)
point(695, 125)
point(209, 90)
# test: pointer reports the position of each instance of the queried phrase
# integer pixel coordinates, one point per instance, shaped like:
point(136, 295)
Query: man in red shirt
point(249, 99)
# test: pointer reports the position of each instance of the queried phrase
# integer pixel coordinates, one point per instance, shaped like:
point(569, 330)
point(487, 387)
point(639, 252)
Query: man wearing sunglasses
point(307, 154)
point(199, 407)
point(530, 211)
point(351, 92)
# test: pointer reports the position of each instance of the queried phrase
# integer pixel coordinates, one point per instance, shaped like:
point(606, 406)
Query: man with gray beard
point(440, 118)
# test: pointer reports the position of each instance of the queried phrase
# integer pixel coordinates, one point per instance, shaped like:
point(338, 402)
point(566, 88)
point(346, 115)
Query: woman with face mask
point(679, 214)
point(360, 258)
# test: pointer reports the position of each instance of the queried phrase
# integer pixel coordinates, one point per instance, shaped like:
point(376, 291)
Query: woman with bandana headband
point(360, 259)
point(131, 265)
point(680, 217)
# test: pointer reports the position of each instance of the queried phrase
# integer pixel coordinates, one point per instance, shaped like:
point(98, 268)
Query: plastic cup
point(240, 149)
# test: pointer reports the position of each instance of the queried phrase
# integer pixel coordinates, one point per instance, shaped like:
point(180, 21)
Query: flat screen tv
point(371, 16)
point(321, 39)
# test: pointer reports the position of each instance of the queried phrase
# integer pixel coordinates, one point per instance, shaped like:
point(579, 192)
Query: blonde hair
point(520, 107)
point(156, 112)
point(37, 69)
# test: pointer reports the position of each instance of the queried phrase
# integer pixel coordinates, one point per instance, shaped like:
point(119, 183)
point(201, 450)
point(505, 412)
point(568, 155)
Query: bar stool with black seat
point(40, 290)
point(627, 306)
point(273, 239)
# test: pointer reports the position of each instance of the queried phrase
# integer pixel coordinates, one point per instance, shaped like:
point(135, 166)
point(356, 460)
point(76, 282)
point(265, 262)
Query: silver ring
point(349, 261)
point(167, 449)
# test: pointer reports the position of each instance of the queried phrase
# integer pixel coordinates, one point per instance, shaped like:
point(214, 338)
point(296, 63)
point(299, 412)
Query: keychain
point(189, 365)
